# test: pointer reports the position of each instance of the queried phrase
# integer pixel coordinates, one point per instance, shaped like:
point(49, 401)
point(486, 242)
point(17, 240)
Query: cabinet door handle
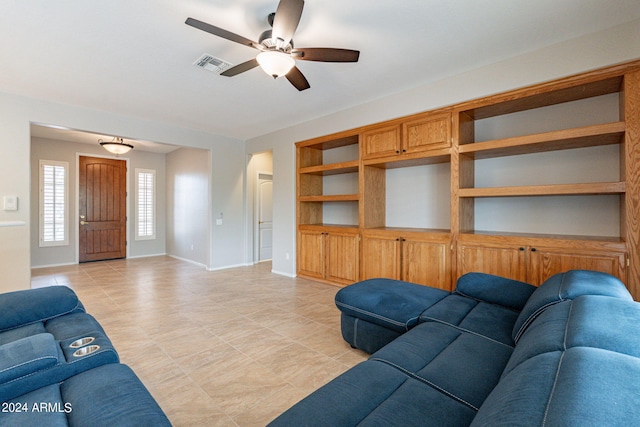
point(533, 249)
point(521, 249)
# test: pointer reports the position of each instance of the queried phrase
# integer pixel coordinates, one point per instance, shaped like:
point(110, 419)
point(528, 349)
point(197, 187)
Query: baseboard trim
point(227, 267)
point(64, 264)
point(147, 256)
point(281, 273)
point(190, 261)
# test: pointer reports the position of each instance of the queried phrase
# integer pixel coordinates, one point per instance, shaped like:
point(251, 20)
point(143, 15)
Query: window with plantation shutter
point(53, 203)
point(145, 204)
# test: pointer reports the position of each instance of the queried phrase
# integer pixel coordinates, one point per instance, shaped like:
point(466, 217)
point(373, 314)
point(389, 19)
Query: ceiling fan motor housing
point(266, 39)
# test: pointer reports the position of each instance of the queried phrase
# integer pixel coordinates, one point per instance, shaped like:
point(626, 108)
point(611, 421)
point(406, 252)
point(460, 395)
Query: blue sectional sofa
point(494, 352)
point(59, 368)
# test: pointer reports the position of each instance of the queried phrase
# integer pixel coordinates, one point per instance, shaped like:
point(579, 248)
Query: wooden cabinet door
point(426, 263)
point(545, 262)
point(429, 133)
point(505, 260)
point(381, 142)
point(311, 253)
point(380, 257)
point(102, 194)
point(343, 258)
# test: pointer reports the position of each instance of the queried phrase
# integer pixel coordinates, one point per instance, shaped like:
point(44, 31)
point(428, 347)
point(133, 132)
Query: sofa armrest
point(21, 308)
point(26, 356)
point(495, 289)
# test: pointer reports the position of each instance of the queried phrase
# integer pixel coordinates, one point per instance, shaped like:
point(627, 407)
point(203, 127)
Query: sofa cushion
point(460, 364)
point(566, 286)
point(494, 290)
point(41, 407)
point(22, 332)
point(393, 304)
point(376, 394)
point(588, 321)
point(25, 356)
point(21, 308)
point(581, 386)
point(489, 320)
point(111, 395)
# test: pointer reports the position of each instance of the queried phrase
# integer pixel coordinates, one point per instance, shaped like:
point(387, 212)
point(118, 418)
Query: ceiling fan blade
point(326, 54)
point(297, 79)
point(220, 32)
point(240, 68)
point(287, 19)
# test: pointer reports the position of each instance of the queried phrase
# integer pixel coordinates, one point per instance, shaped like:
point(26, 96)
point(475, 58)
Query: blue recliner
point(58, 367)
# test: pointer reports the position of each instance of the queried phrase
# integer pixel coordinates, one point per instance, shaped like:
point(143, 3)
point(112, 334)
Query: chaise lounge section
point(493, 352)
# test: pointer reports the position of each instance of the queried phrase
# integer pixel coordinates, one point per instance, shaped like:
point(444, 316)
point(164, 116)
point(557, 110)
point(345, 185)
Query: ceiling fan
point(277, 53)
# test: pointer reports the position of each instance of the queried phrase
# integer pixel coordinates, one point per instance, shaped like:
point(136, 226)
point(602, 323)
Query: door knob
point(83, 223)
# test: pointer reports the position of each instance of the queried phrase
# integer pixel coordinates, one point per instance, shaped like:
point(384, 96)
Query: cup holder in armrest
point(84, 351)
point(82, 342)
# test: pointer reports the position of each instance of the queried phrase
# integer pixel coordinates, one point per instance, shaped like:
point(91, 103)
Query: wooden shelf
point(587, 136)
point(481, 236)
point(552, 93)
point(408, 160)
point(599, 188)
point(408, 230)
point(330, 227)
point(331, 169)
point(329, 142)
point(331, 198)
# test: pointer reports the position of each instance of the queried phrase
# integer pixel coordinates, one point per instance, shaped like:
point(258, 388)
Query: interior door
point(265, 217)
point(102, 209)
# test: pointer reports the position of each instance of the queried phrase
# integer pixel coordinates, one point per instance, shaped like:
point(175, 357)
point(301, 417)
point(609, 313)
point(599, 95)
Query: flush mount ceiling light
point(117, 146)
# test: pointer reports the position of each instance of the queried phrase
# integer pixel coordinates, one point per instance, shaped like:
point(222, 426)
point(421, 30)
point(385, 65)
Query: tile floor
point(228, 348)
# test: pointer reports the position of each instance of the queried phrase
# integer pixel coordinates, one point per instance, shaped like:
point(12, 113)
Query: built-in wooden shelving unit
point(367, 244)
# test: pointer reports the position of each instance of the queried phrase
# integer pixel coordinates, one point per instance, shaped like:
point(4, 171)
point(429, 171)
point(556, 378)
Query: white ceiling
point(135, 57)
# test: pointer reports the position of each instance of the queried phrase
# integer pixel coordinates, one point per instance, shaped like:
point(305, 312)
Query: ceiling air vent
point(211, 63)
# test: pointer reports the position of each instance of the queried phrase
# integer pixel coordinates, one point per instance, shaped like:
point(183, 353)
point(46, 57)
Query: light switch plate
point(10, 203)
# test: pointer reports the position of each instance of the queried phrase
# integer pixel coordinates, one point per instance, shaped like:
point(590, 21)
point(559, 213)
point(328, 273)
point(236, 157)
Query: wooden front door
point(102, 209)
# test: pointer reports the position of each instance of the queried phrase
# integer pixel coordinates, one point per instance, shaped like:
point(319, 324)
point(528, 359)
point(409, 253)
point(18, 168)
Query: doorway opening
point(260, 200)
point(264, 212)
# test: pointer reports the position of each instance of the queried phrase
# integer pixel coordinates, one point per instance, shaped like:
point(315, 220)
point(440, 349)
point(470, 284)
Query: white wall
point(612, 46)
point(43, 149)
point(188, 185)
point(16, 114)
point(228, 248)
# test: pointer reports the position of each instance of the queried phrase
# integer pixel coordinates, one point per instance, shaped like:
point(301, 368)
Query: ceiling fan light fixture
point(117, 146)
point(275, 63)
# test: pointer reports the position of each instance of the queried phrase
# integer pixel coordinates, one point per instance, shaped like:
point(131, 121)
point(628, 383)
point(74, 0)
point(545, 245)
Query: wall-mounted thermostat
point(10, 203)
